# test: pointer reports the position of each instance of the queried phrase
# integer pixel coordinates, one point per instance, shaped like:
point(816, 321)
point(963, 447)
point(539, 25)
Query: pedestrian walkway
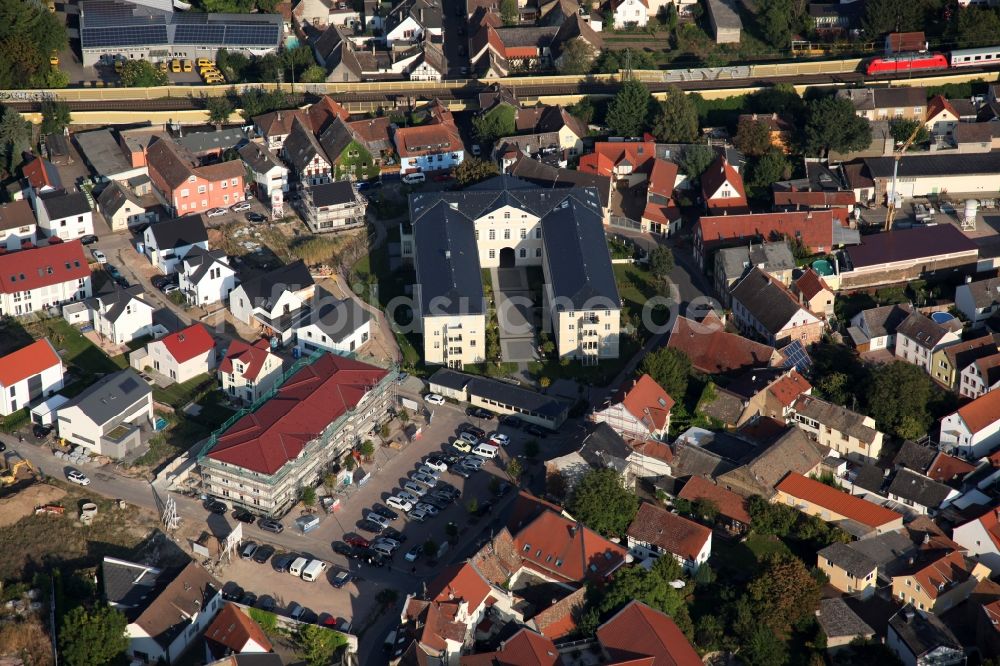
point(515, 315)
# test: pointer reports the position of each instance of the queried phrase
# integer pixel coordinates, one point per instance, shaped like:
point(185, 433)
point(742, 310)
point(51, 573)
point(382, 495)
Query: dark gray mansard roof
point(447, 255)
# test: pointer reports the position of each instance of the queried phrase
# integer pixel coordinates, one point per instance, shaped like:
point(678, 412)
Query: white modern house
point(109, 416)
point(248, 371)
point(630, 13)
point(31, 280)
point(333, 325)
point(180, 356)
point(121, 315)
point(205, 276)
point(974, 429)
point(166, 243)
point(28, 374)
point(980, 537)
point(274, 302)
point(66, 215)
point(978, 301)
point(980, 377)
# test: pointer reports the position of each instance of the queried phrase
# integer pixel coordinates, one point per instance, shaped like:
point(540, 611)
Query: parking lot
point(389, 470)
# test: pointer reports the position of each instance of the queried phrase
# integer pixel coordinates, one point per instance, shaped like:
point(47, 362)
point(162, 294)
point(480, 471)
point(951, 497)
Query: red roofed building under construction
point(316, 415)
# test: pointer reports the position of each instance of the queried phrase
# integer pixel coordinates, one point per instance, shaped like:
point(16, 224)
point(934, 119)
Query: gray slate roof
point(883, 321)
point(129, 586)
point(769, 302)
point(335, 139)
point(333, 194)
point(198, 262)
point(336, 318)
point(107, 398)
point(868, 99)
point(854, 562)
point(889, 551)
point(919, 489)
point(870, 477)
point(839, 621)
point(917, 457)
point(455, 381)
point(936, 164)
point(526, 399)
point(116, 195)
point(202, 142)
point(179, 232)
point(446, 258)
point(772, 257)
point(301, 146)
point(984, 293)
point(922, 632)
point(692, 460)
point(264, 290)
point(61, 204)
point(836, 417)
point(923, 330)
point(259, 158)
point(601, 446)
point(910, 244)
point(114, 302)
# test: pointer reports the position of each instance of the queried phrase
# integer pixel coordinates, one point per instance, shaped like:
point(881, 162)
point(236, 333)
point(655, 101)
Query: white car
point(414, 488)
point(424, 479)
point(406, 497)
point(78, 478)
point(217, 212)
point(99, 256)
point(435, 464)
point(434, 399)
point(241, 207)
point(399, 503)
point(499, 439)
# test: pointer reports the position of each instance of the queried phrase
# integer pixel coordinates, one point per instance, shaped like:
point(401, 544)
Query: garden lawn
point(178, 395)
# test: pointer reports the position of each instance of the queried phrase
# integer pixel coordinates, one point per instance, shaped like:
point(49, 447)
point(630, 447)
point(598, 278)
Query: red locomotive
point(906, 62)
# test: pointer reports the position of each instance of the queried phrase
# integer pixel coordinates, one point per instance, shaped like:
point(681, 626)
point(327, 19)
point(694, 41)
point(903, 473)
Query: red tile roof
point(652, 449)
point(427, 139)
point(187, 343)
point(712, 350)
point(323, 111)
point(459, 582)
point(788, 388)
point(730, 504)
point(525, 648)
point(939, 104)
point(657, 526)
point(647, 401)
point(814, 228)
point(251, 356)
point(946, 468)
point(720, 172)
point(43, 266)
point(991, 524)
point(810, 199)
point(526, 508)
point(233, 629)
point(981, 412)
point(558, 620)
point(809, 284)
point(27, 362)
point(607, 155)
point(566, 550)
point(36, 172)
point(639, 631)
point(898, 42)
point(849, 506)
point(315, 396)
point(944, 570)
point(662, 178)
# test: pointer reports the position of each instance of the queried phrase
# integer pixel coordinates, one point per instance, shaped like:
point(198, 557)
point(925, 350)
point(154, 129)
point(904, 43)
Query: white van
point(297, 566)
point(486, 451)
point(313, 570)
point(382, 549)
point(414, 178)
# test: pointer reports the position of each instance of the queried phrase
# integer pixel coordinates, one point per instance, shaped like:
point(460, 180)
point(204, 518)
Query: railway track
point(470, 91)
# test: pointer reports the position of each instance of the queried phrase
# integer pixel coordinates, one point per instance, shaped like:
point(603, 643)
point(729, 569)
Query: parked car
point(369, 526)
point(381, 521)
point(244, 516)
point(78, 477)
point(437, 464)
point(392, 543)
point(232, 592)
point(409, 497)
point(429, 471)
point(499, 439)
point(255, 218)
point(342, 548)
point(462, 445)
point(89, 239)
point(434, 399)
point(249, 548)
point(39, 431)
point(385, 511)
point(479, 433)
point(419, 515)
point(513, 421)
point(393, 533)
point(480, 413)
point(399, 503)
point(341, 578)
point(427, 508)
point(503, 489)
point(435, 501)
point(217, 212)
point(413, 554)
point(241, 206)
point(248, 599)
point(263, 554)
point(282, 561)
point(269, 525)
point(99, 256)
point(532, 429)
point(425, 479)
point(357, 540)
point(469, 437)
point(161, 281)
point(474, 460)
point(267, 603)
point(216, 507)
point(414, 488)
point(462, 471)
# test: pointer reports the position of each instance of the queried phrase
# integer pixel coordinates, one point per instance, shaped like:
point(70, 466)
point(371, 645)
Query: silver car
point(414, 488)
point(429, 509)
point(426, 479)
point(381, 521)
point(407, 497)
point(429, 471)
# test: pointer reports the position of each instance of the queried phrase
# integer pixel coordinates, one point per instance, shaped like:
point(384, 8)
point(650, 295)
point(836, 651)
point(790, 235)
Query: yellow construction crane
point(898, 155)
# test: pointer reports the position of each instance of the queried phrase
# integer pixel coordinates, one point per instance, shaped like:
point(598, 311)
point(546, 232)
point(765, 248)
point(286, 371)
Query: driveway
point(515, 315)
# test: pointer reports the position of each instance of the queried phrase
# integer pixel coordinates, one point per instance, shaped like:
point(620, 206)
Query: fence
point(625, 223)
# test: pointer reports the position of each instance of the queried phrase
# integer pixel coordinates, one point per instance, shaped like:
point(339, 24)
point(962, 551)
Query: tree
point(628, 111)
point(555, 485)
point(317, 644)
point(770, 167)
point(652, 587)
point(677, 118)
point(883, 16)
point(255, 101)
point(783, 593)
point(832, 124)
point(753, 137)
point(219, 109)
point(770, 519)
point(55, 117)
point(611, 62)
point(509, 12)
point(602, 503)
point(473, 170)
point(15, 137)
point(670, 368)
point(975, 26)
point(514, 469)
point(780, 19)
point(903, 128)
point(897, 398)
point(142, 74)
point(367, 449)
point(430, 548)
point(706, 509)
point(495, 123)
point(583, 110)
point(531, 449)
point(695, 160)
point(313, 74)
point(92, 638)
point(661, 262)
point(308, 495)
point(764, 649)
point(577, 57)
point(29, 34)
point(781, 98)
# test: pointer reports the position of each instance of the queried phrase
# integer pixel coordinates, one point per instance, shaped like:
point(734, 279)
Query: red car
point(357, 540)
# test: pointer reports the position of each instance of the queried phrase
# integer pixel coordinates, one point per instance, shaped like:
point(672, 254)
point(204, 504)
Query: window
point(493, 254)
point(185, 192)
point(506, 234)
point(506, 215)
point(202, 189)
point(538, 251)
point(493, 234)
point(524, 233)
point(538, 232)
point(524, 253)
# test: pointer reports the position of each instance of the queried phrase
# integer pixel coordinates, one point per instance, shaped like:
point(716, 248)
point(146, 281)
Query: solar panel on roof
point(249, 35)
point(123, 36)
point(199, 34)
point(797, 357)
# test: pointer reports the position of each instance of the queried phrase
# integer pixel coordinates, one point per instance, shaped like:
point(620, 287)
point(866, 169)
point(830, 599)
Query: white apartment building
point(30, 373)
point(31, 280)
